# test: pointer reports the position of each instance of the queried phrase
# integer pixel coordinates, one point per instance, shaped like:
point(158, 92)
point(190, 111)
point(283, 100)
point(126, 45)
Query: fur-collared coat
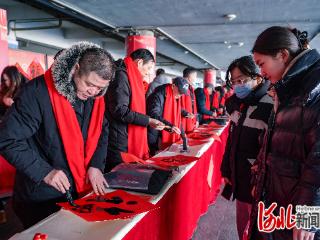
point(29, 136)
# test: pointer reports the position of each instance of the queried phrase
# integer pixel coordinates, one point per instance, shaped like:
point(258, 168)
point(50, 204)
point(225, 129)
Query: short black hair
point(99, 61)
point(187, 71)
point(160, 71)
point(143, 54)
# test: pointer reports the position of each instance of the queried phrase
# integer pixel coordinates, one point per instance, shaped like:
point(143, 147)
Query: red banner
point(35, 69)
point(30, 64)
point(3, 40)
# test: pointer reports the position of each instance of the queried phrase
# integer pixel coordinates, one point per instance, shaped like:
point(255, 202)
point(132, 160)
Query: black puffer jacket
point(155, 107)
point(118, 112)
point(289, 163)
point(30, 139)
point(249, 119)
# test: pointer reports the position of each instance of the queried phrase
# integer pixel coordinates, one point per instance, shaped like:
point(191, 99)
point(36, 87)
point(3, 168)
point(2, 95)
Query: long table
point(181, 202)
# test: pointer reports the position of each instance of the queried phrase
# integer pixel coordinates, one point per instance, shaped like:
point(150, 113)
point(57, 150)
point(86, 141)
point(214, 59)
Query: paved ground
point(218, 224)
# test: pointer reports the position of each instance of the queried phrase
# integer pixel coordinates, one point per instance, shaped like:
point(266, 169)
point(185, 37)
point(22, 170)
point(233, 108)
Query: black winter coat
point(155, 107)
point(30, 141)
point(247, 124)
point(289, 163)
point(118, 112)
point(201, 104)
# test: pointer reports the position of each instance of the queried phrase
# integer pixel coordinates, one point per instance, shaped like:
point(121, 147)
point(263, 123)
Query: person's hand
point(300, 234)
point(214, 114)
point(8, 101)
point(227, 180)
point(176, 130)
point(97, 180)
point(220, 111)
point(190, 115)
point(197, 124)
point(57, 179)
point(156, 124)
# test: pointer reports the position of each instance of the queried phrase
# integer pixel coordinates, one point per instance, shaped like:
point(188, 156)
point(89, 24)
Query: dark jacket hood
point(63, 69)
point(293, 79)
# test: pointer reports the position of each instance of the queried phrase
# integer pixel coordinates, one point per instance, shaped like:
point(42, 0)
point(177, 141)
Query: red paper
point(199, 135)
point(204, 135)
point(215, 125)
point(111, 206)
point(35, 69)
point(173, 161)
point(20, 69)
point(194, 142)
point(130, 158)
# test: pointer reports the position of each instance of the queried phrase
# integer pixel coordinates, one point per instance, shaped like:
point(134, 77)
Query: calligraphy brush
point(70, 199)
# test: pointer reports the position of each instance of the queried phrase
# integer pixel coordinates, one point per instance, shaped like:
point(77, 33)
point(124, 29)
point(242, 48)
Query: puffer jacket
point(289, 162)
point(249, 119)
point(119, 114)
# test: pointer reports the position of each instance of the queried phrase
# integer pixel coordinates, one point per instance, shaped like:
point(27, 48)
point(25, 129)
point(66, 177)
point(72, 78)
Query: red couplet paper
point(199, 135)
point(173, 161)
point(111, 206)
point(130, 158)
point(194, 142)
point(215, 125)
point(204, 135)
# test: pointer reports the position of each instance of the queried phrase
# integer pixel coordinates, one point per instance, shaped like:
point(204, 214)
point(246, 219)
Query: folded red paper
point(130, 158)
point(111, 206)
point(173, 161)
point(194, 142)
point(204, 135)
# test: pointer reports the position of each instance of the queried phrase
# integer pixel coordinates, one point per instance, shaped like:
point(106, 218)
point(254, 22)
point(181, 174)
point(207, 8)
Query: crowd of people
point(63, 130)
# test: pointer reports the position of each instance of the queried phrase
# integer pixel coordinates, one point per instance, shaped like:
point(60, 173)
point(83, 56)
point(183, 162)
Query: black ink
point(114, 200)
point(87, 208)
point(132, 202)
point(116, 211)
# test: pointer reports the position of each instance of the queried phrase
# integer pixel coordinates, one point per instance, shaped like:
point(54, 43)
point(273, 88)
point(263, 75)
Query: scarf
point(77, 152)
point(137, 135)
point(171, 113)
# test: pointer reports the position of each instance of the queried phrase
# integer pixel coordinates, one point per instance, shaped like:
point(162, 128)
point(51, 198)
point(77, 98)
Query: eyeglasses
point(240, 80)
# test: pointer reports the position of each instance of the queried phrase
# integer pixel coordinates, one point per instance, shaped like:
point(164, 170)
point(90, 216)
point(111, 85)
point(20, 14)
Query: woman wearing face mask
point(249, 109)
point(289, 162)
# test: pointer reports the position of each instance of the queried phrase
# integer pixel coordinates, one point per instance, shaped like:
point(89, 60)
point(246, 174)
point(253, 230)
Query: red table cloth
point(181, 207)
point(7, 173)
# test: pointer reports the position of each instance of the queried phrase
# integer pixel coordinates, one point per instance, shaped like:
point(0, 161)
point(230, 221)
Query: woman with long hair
point(289, 162)
point(11, 80)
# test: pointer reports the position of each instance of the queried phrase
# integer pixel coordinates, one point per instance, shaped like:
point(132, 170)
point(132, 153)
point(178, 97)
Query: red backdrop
point(3, 40)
